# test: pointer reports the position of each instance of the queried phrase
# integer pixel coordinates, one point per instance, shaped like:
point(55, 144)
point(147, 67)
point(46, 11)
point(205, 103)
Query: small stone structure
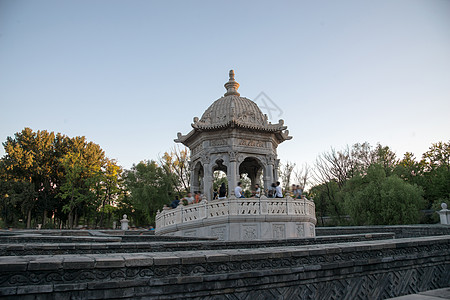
point(124, 223)
point(235, 137)
point(444, 214)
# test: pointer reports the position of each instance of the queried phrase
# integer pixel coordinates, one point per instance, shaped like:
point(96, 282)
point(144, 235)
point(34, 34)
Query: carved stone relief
point(219, 142)
point(249, 232)
point(279, 231)
point(219, 232)
point(251, 143)
point(312, 230)
point(232, 155)
point(300, 230)
point(197, 149)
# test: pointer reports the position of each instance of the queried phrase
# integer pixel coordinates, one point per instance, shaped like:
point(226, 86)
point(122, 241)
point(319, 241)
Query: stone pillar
point(268, 176)
point(444, 214)
point(207, 181)
point(192, 181)
point(275, 170)
point(232, 173)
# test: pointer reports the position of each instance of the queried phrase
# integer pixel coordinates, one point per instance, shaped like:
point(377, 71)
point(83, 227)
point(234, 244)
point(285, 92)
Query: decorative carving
point(232, 155)
point(248, 117)
point(251, 143)
point(249, 232)
point(197, 149)
point(219, 232)
point(220, 142)
point(300, 230)
point(206, 159)
point(279, 231)
point(271, 159)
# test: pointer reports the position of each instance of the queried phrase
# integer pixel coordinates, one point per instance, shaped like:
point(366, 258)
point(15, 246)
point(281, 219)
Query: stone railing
point(235, 207)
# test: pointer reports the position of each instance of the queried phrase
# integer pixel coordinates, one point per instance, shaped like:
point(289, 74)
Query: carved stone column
point(207, 177)
point(207, 181)
point(193, 179)
point(231, 172)
point(268, 176)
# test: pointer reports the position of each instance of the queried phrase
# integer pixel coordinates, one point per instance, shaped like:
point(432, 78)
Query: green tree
point(150, 187)
point(437, 173)
point(111, 183)
point(46, 175)
point(375, 199)
point(176, 164)
point(29, 159)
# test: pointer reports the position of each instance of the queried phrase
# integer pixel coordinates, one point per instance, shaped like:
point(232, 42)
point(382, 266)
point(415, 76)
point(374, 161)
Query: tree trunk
point(44, 218)
point(76, 219)
point(29, 219)
point(70, 220)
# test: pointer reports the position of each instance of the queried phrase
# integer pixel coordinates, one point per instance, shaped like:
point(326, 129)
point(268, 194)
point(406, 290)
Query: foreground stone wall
point(357, 270)
point(400, 231)
point(153, 244)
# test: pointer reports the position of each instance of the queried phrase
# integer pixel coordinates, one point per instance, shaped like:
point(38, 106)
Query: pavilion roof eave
point(280, 132)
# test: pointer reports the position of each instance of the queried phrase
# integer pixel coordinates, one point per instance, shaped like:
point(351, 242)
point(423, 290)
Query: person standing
point(175, 202)
point(189, 198)
point(238, 191)
point(278, 191)
point(294, 191)
point(257, 191)
point(222, 191)
point(299, 192)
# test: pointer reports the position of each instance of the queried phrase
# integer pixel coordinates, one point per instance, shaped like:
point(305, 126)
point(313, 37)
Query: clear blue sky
point(129, 75)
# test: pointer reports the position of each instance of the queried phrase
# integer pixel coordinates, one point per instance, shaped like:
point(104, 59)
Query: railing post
point(202, 209)
point(232, 205)
point(179, 214)
point(263, 200)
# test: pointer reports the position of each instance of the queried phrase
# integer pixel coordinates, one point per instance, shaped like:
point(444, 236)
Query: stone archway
point(197, 178)
point(219, 170)
point(254, 169)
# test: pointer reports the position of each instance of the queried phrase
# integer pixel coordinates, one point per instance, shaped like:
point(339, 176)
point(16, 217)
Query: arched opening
point(219, 179)
point(197, 178)
point(251, 173)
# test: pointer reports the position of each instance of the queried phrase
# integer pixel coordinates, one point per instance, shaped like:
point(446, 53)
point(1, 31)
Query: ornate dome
point(231, 110)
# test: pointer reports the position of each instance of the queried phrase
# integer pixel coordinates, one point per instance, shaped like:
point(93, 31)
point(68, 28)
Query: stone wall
point(400, 231)
point(355, 270)
point(153, 244)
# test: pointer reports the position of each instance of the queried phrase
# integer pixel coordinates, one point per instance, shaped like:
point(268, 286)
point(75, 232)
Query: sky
point(129, 75)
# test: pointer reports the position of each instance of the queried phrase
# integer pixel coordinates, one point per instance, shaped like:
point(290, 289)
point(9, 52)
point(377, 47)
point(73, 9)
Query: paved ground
point(429, 295)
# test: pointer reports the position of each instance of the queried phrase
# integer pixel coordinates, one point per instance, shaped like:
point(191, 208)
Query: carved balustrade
point(235, 207)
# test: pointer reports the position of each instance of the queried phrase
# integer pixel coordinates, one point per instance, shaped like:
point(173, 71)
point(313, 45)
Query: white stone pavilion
point(235, 137)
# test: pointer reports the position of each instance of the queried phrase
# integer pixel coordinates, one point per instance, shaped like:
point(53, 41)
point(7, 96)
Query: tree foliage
point(150, 187)
point(377, 199)
point(62, 177)
point(359, 180)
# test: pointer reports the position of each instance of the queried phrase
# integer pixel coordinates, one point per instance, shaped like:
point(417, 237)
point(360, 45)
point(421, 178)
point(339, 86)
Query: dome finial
point(232, 86)
point(231, 74)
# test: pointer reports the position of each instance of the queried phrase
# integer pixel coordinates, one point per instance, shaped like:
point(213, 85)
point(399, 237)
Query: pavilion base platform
point(240, 219)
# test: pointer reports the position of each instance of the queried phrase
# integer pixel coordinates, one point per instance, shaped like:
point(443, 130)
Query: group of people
point(189, 199)
point(274, 191)
point(296, 192)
